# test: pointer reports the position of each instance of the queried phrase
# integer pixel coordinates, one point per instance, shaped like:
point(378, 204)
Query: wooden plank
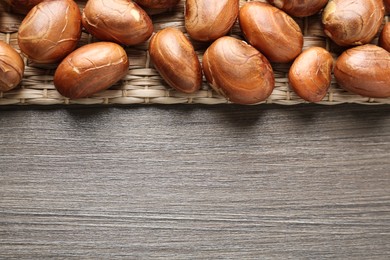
point(194, 182)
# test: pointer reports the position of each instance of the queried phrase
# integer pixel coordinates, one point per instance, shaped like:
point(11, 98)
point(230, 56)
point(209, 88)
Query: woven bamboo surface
point(143, 84)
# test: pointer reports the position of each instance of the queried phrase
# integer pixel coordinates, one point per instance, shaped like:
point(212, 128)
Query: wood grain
point(194, 182)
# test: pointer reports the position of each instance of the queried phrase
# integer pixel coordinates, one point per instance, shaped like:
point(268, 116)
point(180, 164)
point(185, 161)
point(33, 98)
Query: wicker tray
point(143, 85)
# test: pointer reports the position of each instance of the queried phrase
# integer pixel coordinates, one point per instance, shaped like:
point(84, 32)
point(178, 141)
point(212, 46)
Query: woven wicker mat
point(143, 85)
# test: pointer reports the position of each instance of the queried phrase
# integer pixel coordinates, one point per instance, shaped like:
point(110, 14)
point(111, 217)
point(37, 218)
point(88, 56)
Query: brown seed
point(364, 70)
point(50, 31)
point(207, 20)
point(271, 31)
point(311, 73)
point(157, 3)
point(90, 69)
point(23, 6)
point(384, 38)
point(300, 8)
point(238, 71)
point(11, 67)
point(352, 22)
point(121, 21)
point(174, 57)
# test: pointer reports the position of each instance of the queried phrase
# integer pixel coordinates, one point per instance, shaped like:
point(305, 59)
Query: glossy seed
point(352, 22)
point(207, 20)
point(238, 71)
point(90, 69)
point(120, 21)
point(174, 57)
point(50, 31)
point(11, 67)
point(311, 73)
point(364, 70)
point(270, 30)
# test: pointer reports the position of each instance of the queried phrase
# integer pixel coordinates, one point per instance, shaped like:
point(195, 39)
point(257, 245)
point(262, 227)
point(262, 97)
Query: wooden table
point(195, 182)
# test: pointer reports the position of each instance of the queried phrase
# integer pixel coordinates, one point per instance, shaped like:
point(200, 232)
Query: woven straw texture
point(143, 84)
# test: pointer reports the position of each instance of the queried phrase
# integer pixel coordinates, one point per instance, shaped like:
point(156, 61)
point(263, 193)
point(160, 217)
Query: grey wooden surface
point(193, 182)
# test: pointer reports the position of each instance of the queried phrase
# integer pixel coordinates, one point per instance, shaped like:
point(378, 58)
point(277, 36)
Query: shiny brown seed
point(300, 8)
point(364, 70)
point(352, 22)
point(207, 20)
point(11, 67)
point(121, 21)
point(90, 69)
point(311, 73)
point(384, 38)
point(157, 3)
point(50, 31)
point(174, 57)
point(271, 31)
point(238, 71)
